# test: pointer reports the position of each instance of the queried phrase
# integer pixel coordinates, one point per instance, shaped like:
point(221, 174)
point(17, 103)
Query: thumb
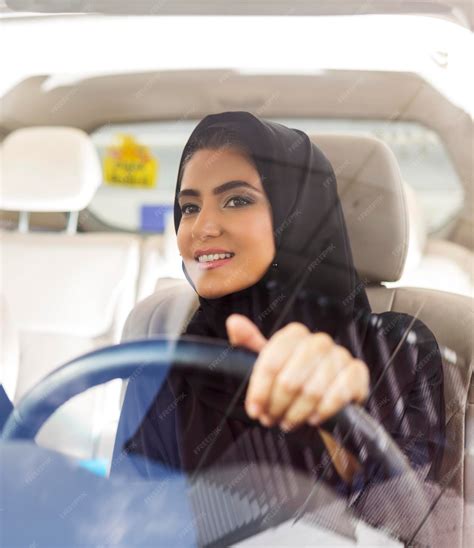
point(243, 332)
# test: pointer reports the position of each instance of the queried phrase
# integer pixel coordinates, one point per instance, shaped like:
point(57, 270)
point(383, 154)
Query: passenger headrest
point(372, 197)
point(48, 169)
point(417, 225)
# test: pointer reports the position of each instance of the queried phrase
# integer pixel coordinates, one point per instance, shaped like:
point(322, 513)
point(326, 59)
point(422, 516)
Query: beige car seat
point(433, 263)
point(69, 293)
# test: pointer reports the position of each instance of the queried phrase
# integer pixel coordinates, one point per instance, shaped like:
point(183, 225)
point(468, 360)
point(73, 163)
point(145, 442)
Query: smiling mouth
point(214, 257)
point(210, 262)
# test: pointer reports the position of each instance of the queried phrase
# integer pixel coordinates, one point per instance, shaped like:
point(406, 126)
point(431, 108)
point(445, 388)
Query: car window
point(131, 422)
point(137, 196)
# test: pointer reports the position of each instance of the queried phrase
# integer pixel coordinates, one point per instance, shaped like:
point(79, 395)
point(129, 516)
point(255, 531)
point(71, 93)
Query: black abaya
point(312, 280)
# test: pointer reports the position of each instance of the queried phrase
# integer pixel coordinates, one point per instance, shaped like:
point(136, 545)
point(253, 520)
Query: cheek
point(183, 238)
point(257, 241)
point(259, 229)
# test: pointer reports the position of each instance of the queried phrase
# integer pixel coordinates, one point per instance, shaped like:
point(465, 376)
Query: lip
point(214, 264)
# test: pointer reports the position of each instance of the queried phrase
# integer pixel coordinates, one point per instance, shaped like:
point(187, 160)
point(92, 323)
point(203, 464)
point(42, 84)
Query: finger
point(243, 332)
point(362, 386)
point(329, 368)
point(296, 372)
point(269, 362)
point(297, 413)
point(331, 364)
point(352, 384)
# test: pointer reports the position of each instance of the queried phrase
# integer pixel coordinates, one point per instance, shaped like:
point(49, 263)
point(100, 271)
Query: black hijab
point(313, 260)
point(312, 280)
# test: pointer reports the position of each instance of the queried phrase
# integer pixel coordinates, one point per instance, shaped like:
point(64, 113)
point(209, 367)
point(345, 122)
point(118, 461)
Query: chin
point(212, 293)
point(216, 288)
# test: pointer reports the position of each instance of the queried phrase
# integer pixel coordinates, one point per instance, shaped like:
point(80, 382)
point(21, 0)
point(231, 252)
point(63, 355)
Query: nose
point(206, 224)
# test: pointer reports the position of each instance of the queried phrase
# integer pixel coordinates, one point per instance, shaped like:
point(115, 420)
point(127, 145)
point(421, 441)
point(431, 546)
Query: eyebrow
point(218, 189)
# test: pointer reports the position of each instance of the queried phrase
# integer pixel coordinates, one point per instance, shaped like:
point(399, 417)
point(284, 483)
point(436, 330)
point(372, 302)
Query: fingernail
point(253, 409)
point(286, 426)
point(314, 419)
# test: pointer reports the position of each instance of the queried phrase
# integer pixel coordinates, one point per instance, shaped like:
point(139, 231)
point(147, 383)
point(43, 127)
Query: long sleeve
point(407, 399)
point(407, 388)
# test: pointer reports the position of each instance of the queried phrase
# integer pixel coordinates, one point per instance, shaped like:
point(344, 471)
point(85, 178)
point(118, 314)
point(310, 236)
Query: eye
point(239, 201)
point(185, 209)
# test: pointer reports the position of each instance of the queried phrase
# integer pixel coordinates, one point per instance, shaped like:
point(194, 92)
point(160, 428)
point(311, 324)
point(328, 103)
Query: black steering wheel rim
point(149, 356)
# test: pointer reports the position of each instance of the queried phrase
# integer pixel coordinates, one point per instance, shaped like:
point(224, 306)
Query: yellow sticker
point(130, 164)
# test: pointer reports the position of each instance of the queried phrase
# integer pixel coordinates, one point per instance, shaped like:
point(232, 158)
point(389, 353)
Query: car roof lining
point(191, 94)
point(456, 11)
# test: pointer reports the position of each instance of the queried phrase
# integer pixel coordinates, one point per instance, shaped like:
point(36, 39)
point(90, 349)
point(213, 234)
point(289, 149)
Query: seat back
point(451, 319)
point(69, 293)
point(159, 259)
point(433, 263)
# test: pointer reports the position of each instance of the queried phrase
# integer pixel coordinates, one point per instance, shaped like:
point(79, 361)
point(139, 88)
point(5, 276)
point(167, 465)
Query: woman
point(264, 244)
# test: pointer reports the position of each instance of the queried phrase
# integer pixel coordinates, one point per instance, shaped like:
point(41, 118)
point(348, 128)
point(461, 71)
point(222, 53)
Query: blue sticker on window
point(153, 217)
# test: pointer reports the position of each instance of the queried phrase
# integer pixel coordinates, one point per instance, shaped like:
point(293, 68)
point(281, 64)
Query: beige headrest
point(372, 197)
point(417, 226)
point(48, 169)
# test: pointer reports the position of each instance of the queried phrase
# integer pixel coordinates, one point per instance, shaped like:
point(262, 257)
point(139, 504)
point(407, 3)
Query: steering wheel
point(188, 354)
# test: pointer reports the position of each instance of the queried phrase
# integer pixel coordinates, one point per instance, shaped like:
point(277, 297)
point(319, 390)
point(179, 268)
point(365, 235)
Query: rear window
point(140, 162)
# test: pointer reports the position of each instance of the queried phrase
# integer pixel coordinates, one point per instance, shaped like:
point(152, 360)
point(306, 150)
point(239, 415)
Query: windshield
point(236, 298)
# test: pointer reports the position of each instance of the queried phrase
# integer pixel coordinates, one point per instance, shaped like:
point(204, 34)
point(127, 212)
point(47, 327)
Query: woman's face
point(224, 211)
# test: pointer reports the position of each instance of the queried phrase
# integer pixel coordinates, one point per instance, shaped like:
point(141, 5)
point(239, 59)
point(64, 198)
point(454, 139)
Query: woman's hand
point(299, 376)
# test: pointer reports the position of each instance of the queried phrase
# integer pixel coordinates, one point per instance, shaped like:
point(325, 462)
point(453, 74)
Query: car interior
point(81, 269)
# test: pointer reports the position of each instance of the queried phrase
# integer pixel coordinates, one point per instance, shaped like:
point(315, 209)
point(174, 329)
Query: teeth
point(214, 257)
